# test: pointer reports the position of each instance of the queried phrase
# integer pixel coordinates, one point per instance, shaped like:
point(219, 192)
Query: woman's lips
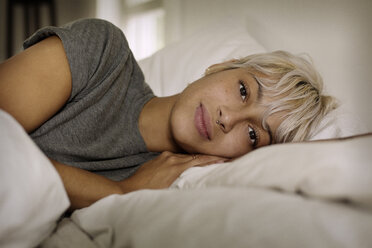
point(202, 122)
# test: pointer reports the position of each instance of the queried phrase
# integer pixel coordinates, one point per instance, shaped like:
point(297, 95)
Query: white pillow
point(170, 70)
point(31, 191)
point(339, 123)
point(330, 170)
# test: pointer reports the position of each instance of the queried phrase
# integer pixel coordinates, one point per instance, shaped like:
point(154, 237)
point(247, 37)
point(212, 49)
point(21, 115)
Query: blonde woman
point(79, 93)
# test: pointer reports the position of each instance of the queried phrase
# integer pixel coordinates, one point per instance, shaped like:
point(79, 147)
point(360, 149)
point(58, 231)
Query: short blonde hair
point(296, 87)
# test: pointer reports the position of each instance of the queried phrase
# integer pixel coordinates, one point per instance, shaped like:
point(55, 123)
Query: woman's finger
point(207, 158)
point(203, 160)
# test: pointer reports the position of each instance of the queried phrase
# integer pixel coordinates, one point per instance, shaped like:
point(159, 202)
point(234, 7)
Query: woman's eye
point(243, 90)
point(252, 136)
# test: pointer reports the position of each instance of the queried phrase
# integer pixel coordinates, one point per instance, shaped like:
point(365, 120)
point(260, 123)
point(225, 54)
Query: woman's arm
point(36, 83)
point(84, 187)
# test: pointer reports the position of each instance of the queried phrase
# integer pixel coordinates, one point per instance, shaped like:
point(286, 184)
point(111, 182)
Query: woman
point(79, 93)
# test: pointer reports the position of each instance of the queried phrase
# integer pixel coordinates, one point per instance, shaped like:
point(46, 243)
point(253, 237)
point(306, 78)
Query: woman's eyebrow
point(259, 91)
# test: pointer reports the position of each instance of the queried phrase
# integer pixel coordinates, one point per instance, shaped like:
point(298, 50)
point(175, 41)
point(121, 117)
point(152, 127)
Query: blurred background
point(336, 33)
point(143, 21)
point(151, 24)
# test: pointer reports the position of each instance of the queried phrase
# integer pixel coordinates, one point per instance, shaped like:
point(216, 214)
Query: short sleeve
point(94, 48)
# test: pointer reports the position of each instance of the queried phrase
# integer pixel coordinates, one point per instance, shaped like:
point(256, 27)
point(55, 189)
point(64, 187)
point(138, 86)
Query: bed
point(311, 194)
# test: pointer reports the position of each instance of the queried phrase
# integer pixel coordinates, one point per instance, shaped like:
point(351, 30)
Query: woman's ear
point(220, 66)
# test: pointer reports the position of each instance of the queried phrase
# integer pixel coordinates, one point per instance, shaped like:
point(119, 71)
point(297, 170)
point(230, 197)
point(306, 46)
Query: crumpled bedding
point(315, 194)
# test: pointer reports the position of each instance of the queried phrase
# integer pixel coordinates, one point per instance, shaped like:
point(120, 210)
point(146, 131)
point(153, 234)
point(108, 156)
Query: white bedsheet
point(314, 194)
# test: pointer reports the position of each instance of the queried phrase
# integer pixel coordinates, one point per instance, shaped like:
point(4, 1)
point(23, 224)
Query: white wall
point(336, 33)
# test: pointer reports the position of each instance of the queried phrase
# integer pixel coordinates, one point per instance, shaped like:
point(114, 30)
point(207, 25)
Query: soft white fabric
point(32, 196)
point(289, 195)
point(339, 123)
point(170, 70)
point(332, 170)
point(220, 218)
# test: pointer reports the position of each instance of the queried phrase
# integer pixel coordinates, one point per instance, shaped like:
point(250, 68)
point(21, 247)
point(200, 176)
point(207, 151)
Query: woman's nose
point(229, 117)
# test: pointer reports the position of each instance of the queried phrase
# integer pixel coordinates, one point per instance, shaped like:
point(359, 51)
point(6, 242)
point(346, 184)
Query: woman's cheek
point(234, 147)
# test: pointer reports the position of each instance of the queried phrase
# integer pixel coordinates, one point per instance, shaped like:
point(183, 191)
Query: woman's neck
point(154, 124)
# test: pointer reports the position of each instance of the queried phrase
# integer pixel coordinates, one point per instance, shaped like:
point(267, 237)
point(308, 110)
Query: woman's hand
point(162, 171)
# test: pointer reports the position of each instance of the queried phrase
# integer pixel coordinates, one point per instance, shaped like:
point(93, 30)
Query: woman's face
point(221, 114)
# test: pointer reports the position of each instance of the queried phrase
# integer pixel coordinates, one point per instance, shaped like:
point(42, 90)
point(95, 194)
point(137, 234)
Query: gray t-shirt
point(97, 129)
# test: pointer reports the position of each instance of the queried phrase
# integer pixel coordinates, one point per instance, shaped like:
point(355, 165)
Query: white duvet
point(315, 194)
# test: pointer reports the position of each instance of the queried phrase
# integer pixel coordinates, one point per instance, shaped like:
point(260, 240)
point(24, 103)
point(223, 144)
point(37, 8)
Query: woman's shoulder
point(92, 23)
point(96, 30)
